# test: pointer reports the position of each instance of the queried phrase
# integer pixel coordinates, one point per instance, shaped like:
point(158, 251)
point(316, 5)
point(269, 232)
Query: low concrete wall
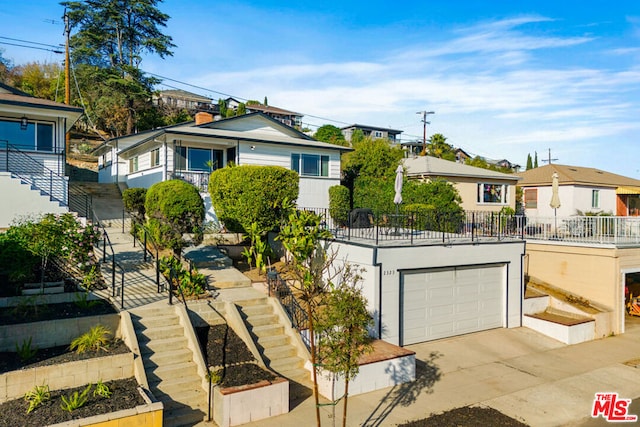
point(372, 376)
point(54, 333)
point(233, 406)
point(567, 334)
point(15, 384)
point(46, 299)
point(149, 415)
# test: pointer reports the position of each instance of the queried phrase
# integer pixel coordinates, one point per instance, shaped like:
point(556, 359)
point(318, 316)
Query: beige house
point(480, 189)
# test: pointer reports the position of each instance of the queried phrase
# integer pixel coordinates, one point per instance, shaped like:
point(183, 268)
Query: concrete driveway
point(519, 372)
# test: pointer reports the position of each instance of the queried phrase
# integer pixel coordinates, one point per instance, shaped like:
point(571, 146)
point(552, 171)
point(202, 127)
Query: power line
point(27, 41)
point(32, 47)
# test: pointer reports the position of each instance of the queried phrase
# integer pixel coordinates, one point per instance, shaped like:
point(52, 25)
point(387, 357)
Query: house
point(480, 189)
point(371, 132)
point(32, 154)
point(581, 189)
point(287, 117)
point(181, 99)
point(193, 150)
point(462, 156)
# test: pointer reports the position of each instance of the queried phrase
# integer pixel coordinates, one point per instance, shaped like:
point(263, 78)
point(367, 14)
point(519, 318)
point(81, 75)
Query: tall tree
point(5, 68)
point(437, 146)
point(330, 134)
point(535, 162)
point(41, 80)
point(114, 35)
point(529, 162)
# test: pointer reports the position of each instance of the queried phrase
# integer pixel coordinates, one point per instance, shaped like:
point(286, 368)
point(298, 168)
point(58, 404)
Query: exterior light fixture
point(24, 123)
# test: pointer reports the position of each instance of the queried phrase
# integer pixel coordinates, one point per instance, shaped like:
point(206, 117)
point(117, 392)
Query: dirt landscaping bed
point(223, 348)
point(27, 313)
point(469, 416)
point(125, 395)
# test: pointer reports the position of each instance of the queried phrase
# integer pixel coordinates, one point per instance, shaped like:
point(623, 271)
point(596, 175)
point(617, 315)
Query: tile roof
point(574, 175)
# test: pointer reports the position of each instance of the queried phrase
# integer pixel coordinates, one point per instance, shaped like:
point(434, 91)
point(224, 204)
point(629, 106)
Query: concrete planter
point(149, 415)
point(15, 384)
point(39, 289)
point(233, 406)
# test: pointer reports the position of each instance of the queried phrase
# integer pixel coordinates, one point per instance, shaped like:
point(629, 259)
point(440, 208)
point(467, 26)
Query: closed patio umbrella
point(555, 200)
point(398, 186)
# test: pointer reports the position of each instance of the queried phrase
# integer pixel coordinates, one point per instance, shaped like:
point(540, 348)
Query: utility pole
point(424, 128)
point(548, 159)
point(67, 82)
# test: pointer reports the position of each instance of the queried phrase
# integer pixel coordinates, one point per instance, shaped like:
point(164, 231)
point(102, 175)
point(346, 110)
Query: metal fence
point(443, 227)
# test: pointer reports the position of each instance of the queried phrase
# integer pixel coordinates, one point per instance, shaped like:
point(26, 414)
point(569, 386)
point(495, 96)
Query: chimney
point(202, 118)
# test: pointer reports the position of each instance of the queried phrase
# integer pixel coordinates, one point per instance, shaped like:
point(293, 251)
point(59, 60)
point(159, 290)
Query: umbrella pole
point(395, 229)
point(555, 220)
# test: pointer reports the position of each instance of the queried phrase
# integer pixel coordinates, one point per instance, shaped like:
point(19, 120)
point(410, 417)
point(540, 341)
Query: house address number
point(388, 272)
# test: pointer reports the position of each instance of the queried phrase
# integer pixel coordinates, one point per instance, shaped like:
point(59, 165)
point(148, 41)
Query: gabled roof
point(253, 127)
point(574, 175)
point(12, 96)
point(428, 166)
point(268, 109)
point(366, 127)
point(183, 94)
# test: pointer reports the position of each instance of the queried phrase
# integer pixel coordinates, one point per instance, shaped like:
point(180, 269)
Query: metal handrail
point(279, 288)
point(106, 241)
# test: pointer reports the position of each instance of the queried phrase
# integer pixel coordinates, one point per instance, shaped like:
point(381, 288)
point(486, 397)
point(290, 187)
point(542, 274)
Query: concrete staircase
point(275, 346)
point(169, 365)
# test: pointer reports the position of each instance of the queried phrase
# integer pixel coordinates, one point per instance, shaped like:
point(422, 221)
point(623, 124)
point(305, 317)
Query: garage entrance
point(443, 302)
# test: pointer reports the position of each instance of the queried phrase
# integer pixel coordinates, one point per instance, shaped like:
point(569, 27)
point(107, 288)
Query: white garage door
point(439, 303)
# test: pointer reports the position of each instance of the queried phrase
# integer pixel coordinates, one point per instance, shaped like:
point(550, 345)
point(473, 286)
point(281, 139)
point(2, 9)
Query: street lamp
point(424, 128)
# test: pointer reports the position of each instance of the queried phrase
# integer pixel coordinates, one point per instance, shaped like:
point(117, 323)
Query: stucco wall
point(572, 199)
point(468, 189)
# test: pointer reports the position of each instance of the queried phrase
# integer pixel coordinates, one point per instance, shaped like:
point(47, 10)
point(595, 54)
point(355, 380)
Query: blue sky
point(505, 78)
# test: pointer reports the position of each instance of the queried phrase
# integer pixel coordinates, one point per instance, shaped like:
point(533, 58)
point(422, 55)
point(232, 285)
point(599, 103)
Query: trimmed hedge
point(242, 195)
point(339, 204)
point(133, 200)
point(173, 208)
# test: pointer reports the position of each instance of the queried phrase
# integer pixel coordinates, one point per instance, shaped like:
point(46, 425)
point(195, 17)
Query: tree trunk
point(346, 397)
point(312, 346)
point(130, 122)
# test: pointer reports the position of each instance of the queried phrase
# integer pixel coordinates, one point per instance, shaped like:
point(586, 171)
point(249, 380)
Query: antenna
point(549, 159)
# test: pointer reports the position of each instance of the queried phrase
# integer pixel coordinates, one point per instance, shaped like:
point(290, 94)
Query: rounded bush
point(339, 204)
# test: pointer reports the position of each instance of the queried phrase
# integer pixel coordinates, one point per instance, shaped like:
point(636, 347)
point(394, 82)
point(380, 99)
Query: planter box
point(388, 365)
point(233, 406)
point(149, 415)
point(49, 288)
point(54, 332)
point(15, 384)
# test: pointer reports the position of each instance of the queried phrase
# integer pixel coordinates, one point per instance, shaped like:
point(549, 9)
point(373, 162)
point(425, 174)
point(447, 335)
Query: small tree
point(174, 208)
point(529, 162)
point(330, 134)
point(302, 237)
point(343, 330)
point(133, 200)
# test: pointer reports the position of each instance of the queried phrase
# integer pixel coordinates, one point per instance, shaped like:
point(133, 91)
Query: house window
point(595, 198)
point(310, 164)
point(133, 164)
point(377, 134)
point(155, 157)
point(198, 159)
point(492, 193)
point(37, 136)
point(531, 198)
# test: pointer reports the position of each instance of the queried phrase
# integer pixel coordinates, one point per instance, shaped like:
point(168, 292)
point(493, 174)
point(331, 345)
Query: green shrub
point(339, 204)
point(421, 216)
point(97, 338)
point(37, 396)
point(76, 400)
point(192, 283)
point(25, 351)
point(102, 390)
point(133, 200)
point(174, 208)
point(242, 195)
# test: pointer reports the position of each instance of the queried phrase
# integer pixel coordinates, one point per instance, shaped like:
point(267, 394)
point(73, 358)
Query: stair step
point(183, 416)
point(185, 398)
point(280, 352)
point(252, 302)
point(156, 321)
point(163, 332)
point(169, 355)
point(267, 330)
point(180, 389)
point(286, 363)
point(273, 341)
point(171, 382)
point(153, 312)
point(299, 375)
point(176, 370)
point(154, 346)
point(262, 320)
point(255, 310)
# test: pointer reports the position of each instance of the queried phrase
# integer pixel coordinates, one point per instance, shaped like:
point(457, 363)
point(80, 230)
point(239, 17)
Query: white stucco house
point(191, 151)
point(581, 189)
point(32, 154)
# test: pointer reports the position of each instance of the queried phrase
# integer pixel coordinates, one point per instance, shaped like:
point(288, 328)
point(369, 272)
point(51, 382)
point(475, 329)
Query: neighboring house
point(480, 189)
point(193, 150)
point(504, 163)
point(32, 154)
point(181, 99)
point(372, 132)
point(289, 118)
point(581, 190)
point(462, 156)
